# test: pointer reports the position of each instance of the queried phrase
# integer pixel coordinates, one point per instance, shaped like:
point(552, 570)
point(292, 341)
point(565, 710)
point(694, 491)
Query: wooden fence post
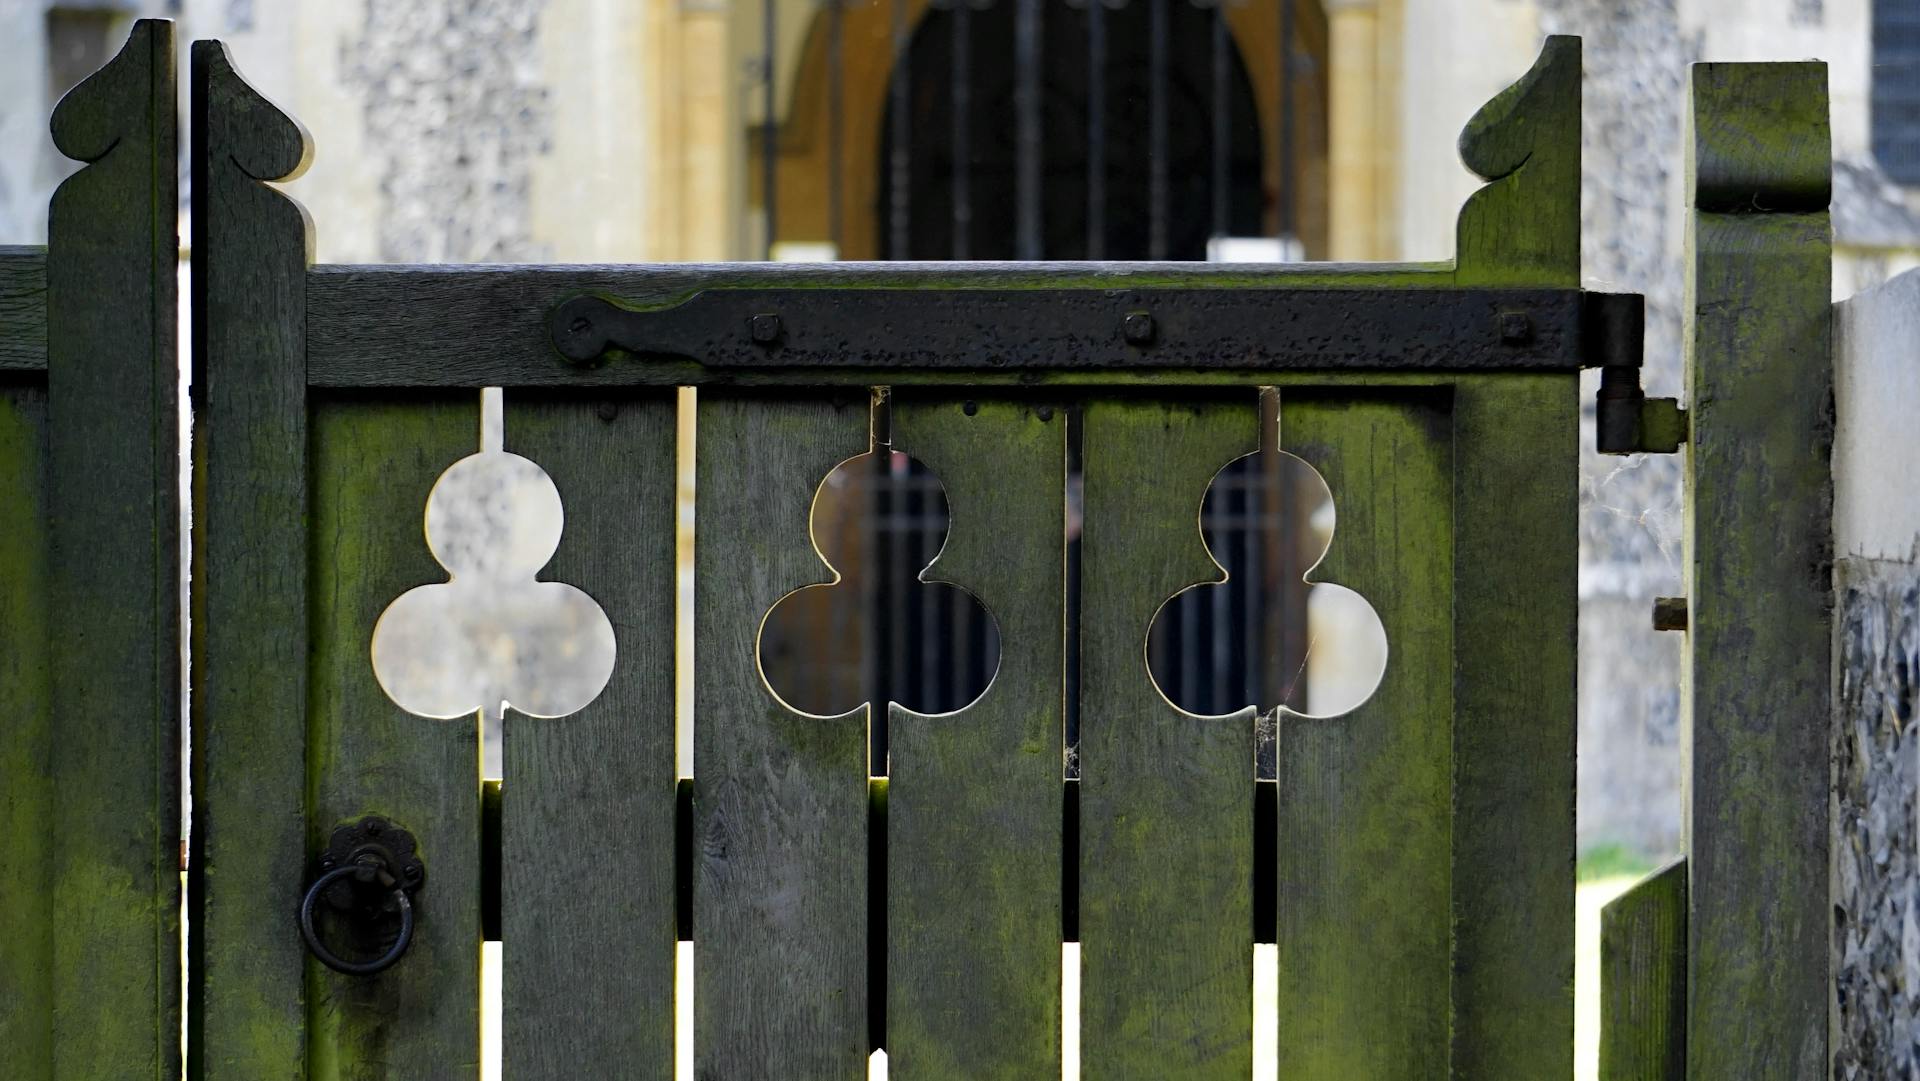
point(1759, 569)
point(251, 248)
point(89, 603)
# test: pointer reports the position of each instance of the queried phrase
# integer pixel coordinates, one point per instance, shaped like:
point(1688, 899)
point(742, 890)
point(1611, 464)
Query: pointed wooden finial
point(1523, 228)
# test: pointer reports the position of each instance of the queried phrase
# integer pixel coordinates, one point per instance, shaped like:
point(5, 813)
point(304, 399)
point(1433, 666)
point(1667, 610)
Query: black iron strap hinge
point(1613, 339)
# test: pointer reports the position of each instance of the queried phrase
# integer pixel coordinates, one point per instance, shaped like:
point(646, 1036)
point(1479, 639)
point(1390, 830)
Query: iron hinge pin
point(1613, 338)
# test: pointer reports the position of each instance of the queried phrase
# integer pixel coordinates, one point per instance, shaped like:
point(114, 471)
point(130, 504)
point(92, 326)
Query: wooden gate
point(1423, 843)
point(1420, 847)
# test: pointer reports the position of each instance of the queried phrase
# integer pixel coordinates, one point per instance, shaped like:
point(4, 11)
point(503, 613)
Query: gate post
point(1758, 569)
point(89, 598)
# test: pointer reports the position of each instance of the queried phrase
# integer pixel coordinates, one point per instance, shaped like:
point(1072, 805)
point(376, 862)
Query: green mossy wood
point(1643, 980)
point(1166, 798)
point(1759, 561)
point(1363, 858)
point(587, 822)
point(89, 591)
point(26, 735)
point(780, 797)
point(370, 465)
point(251, 838)
point(974, 797)
point(1515, 546)
point(1424, 843)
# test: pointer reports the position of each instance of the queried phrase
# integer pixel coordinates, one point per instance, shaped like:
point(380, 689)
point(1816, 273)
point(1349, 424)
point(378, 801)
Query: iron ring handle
point(333, 960)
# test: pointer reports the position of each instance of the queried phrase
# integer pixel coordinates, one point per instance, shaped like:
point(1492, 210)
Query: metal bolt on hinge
point(765, 328)
point(1138, 328)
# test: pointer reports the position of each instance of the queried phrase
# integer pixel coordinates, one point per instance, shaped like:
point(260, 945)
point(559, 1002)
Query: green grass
point(1611, 861)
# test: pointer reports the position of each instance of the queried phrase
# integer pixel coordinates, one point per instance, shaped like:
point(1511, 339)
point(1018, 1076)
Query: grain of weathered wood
point(587, 823)
point(1516, 594)
point(371, 466)
point(1523, 228)
point(1363, 832)
point(250, 630)
point(23, 308)
point(780, 798)
point(974, 797)
point(1759, 553)
point(1760, 139)
point(112, 381)
point(1166, 799)
point(1643, 980)
point(26, 738)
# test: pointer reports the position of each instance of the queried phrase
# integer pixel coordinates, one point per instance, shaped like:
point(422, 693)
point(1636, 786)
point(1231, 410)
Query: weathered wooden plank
point(780, 798)
point(1643, 980)
point(26, 738)
point(1365, 800)
point(1515, 600)
point(587, 824)
point(1759, 574)
point(1166, 799)
point(23, 308)
point(112, 384)
point(974, 797)
point(372, 464)
point(250, 857)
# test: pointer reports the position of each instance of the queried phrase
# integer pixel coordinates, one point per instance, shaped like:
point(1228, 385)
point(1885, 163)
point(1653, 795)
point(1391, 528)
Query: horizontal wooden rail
point(23, 309)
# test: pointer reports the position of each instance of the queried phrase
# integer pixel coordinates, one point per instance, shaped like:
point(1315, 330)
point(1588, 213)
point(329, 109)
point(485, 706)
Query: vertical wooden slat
point(372, 464)
point(1364, 799)
point(1643, 980)
point(1515, 582)
point(588, 805)
point(112, 379)
point(780, 798)
point(251, 248)
point(1759, 544)
point(974, 797)
point(1166, 865)
point(26, 736)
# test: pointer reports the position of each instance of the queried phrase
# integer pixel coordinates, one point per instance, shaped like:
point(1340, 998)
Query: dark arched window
point(1195, 75)
point(1896, 88)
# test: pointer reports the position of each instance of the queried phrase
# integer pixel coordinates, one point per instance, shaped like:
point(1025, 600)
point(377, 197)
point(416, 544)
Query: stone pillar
point(1876, 773)
point(711, 204)
point(1356, 210)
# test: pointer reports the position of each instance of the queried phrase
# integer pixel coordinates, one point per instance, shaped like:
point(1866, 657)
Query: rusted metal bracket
point(1626, 420)
point(1257, 327)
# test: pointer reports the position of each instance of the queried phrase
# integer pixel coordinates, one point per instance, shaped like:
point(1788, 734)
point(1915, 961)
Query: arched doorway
point(833, 136)
point(959, 83)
